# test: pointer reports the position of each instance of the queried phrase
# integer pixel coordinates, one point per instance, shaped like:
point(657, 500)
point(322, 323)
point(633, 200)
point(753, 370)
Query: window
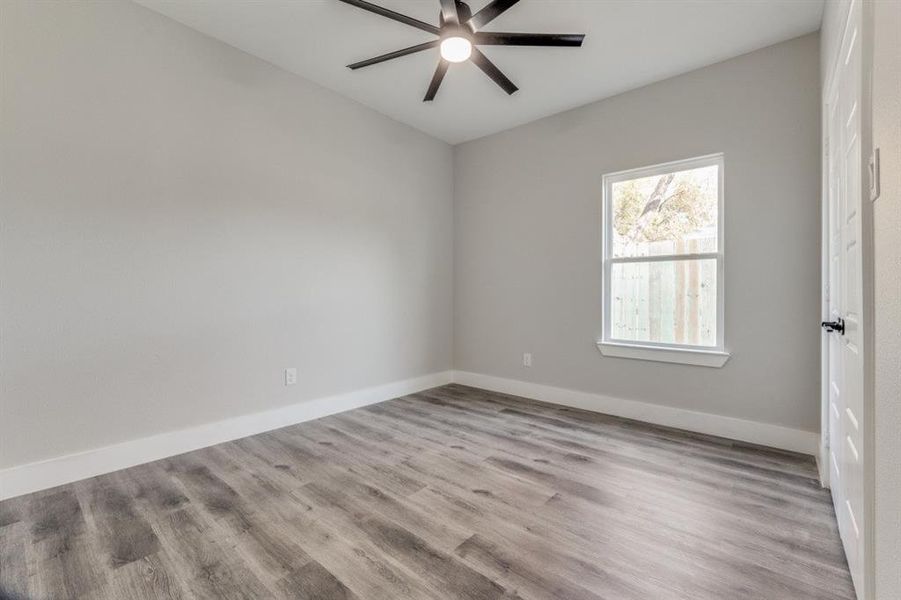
point(663, 263)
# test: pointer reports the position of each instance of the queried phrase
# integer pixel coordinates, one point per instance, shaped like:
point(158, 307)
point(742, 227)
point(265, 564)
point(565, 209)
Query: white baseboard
point(764, 434)
point(35, 476)
point(823, 463)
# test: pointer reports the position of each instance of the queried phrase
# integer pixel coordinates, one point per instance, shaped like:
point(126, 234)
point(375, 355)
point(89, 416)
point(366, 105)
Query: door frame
point(864, 17)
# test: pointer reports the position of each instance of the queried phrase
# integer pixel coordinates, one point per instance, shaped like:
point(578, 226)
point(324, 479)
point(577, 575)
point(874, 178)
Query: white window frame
point(705, 356)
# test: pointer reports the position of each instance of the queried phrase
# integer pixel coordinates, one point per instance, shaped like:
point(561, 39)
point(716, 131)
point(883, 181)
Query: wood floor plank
point(336, 542)
point(542, 576)
point(313, 582)
point(546, 533)
point(203, 563)
point(451, 493)
point(445, 574)
point(154, 488)
point(124, 534)
point(151, 576)
point(66, 560)
point(13, 560)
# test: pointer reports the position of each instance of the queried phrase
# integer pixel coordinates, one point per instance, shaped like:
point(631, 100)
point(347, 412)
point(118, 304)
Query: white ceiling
point(629, 43)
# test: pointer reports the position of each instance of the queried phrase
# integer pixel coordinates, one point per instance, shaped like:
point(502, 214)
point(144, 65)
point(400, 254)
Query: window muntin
point(663, 256)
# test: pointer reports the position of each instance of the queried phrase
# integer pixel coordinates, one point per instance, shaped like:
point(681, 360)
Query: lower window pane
point(669, 302)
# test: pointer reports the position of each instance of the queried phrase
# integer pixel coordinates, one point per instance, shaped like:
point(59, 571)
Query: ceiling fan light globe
point(456, 49)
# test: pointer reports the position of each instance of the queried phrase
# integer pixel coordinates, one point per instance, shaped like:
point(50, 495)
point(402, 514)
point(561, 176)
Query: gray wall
point(527, 231)
point(886, 23)
point(181, 221)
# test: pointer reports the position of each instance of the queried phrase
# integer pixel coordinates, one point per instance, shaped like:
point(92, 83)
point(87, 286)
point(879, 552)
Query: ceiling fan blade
point(395, 54)
point(437, 78)
point(489, 13)
point(449, 12)
point(492, 71)
point(396, 16)
point(491, 38)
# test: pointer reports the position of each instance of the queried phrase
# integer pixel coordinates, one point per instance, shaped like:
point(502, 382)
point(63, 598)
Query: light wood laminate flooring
point(450, 493)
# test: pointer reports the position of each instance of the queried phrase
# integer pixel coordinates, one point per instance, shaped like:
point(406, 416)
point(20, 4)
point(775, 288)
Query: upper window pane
point(666, 213)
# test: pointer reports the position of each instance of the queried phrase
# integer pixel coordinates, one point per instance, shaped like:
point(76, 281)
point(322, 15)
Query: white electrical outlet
point(290, 376)
point(527, 359)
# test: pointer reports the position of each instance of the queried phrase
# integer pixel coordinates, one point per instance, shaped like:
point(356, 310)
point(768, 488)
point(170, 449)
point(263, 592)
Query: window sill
point(700, 358)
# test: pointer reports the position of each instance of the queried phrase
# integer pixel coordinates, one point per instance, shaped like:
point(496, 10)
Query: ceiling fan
point(459, 32)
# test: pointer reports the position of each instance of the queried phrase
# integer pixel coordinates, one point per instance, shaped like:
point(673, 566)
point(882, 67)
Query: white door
point(845, 298)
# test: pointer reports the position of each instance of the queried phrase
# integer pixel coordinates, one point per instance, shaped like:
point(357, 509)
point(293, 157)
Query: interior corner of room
point(365, 332)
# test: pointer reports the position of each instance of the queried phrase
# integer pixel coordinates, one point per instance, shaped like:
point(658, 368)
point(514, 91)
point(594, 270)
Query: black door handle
point(831, 326)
